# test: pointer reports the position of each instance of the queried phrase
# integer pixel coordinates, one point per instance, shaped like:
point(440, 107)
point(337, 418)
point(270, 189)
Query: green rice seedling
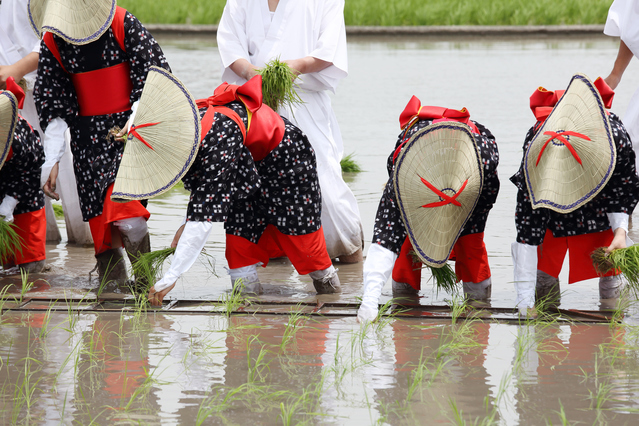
point(44, 331)
point(256, 370)
point(233, 300)
point(458, 306)
point(277, 85)
point(349, 165)
point(563, 419)
point(625, 260)
point(296, 320)
point(10, 241)
point(58, 211)
point(3, 298)
point(24, 393)
point(26, 285)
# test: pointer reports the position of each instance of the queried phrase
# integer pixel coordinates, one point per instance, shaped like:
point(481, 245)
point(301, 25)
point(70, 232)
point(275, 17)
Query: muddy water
point(169, 369)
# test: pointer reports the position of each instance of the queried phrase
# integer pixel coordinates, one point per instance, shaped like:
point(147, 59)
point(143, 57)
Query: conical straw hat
point(438, 178)
point(76, 21)
point(163, 141)
point(8, 120)
point(573, 154)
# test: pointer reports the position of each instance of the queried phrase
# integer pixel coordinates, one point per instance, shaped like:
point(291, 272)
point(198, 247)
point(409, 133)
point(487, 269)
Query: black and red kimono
point(20, 179)
point(469, 252)
point(92, 88)
point(256, 172)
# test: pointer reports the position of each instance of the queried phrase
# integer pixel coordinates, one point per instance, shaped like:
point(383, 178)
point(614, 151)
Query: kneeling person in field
point(577, 185)
point(443, 182)
point(21, 199)
point(252, 170)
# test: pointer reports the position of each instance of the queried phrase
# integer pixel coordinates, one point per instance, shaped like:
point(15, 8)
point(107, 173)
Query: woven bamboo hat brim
point(163, 141)
point(442, 158)
point(8, 120)
point(76, 21)
point(565, 176)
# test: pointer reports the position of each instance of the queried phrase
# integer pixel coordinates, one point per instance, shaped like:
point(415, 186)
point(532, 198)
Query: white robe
point(297, 29)
point(17, 40)
point(623, 22)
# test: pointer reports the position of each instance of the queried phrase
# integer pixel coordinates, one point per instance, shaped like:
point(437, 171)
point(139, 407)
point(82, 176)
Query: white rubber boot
point(478, 291)
point(326, 281)
point(547, 288)
point(403, 289)
point(525, 277)
point(610, 287)
point(245, 280)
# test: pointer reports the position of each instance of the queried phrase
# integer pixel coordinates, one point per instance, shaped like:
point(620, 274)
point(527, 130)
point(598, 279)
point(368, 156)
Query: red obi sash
point(265, 128)
point(543, 101)
point(414, 111)
point(103, 91)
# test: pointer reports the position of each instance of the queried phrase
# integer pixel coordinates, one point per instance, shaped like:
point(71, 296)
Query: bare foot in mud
point(156, 297)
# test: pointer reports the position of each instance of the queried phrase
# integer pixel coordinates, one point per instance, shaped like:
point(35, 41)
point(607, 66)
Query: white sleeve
point(232, 39)
point(189, 246)
point(378, 268)
point(54, 146)
point(618, 220)
point(525, 273)
point(7, 207)
point(613, 22)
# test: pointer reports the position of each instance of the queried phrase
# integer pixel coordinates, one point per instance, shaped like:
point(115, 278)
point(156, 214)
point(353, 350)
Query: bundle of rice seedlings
point(349, 165)
point(10, 241)
point(148, 266)
point(624, 260)
point(277, 85)
point(445, 278)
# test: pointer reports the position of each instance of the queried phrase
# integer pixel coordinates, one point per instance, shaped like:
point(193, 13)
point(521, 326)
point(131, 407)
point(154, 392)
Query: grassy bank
point(401, 12)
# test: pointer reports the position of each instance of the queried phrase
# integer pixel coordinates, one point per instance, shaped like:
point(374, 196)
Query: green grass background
point(400, 12)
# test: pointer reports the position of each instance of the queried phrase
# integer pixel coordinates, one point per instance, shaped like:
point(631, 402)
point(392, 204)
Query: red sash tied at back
point(265, 128)
point(103, 91)
point(17, 91)
point(543, 101)
point(415, 111)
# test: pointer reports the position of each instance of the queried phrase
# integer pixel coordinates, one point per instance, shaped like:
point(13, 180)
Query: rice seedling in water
point(277, 85)
point(295, 322)
point(26, 285)
point(349, 165)
point(562, 416)
point(256, 370)
point(10, 241)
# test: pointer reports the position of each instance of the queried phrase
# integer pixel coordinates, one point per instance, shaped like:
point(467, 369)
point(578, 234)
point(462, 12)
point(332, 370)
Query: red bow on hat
point(13, 87)
point(542, 101)
point(414, 109)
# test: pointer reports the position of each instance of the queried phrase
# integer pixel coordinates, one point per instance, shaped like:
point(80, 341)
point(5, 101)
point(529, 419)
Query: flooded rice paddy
point(68, 363)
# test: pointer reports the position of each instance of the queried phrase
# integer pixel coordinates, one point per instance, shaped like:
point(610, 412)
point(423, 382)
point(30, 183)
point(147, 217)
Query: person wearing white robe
point(310, 36)
point(623, 22)
point(19, 47)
